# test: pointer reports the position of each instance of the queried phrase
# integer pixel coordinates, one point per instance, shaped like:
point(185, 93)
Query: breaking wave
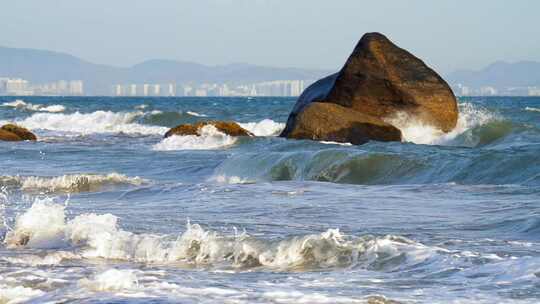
point(209, 138)
point(192, 113)
point(265, 127)
point(21, 104)
point(531, 109)
point(17, 294)
point(170, 119)
point(470, 116)
point(45, 225)
point(88, 123)
point(69, 183)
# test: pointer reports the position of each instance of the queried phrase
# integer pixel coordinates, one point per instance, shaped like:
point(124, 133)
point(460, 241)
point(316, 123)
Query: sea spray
point(21, 104)
point(88, 123)
point(99, 236)
point(69, 183)
point(415, 131)
point(265, 127)
point(111, 280)
point(209, 138)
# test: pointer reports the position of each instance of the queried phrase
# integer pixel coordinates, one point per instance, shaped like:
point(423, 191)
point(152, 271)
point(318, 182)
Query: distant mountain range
point(499, 74)
point(40, 66)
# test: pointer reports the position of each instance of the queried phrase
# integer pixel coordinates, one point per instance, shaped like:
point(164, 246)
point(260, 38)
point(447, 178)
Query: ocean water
point(103, 209)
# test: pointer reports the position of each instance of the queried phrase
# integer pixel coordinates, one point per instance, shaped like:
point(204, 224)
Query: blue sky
point(448, 35)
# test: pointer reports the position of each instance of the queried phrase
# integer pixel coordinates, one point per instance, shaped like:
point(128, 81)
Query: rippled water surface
point(103, 209)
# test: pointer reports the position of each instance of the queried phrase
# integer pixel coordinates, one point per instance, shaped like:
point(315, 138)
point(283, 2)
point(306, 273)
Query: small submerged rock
point(378, 82)
point(230, 128)
point(11, 132)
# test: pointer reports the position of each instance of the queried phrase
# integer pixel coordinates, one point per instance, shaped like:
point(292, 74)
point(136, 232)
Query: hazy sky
point(292, 33)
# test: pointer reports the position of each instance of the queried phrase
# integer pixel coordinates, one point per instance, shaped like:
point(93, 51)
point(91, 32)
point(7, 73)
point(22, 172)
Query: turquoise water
point(103, 209)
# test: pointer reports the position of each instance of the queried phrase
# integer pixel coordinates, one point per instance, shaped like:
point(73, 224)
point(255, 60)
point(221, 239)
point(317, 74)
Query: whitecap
point(231, 180)
point(21, 104)
point(531, 109)
point(69, 182)
point(53, 109)
point(209, 138)
point(415, 131)
point(88, 123)
point(195, 114)
point(17, 294)
point(111, 280)
point(99, 236)
point(265, 127)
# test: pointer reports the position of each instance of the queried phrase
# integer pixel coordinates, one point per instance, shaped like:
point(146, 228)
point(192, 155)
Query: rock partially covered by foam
point(378, 82)
point(11, 132)
point(230, 128)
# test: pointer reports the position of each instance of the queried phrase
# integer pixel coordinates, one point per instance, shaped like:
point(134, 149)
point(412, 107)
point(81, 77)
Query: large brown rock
point(318, 121)
point(11, 132)
point(379, 80)
point(228, 127)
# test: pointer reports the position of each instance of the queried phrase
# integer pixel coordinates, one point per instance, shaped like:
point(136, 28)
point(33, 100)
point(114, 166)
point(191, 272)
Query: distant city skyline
point(448, 35)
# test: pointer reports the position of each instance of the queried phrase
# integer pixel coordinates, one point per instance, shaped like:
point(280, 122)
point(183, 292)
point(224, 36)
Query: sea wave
point(265, 127)
point(470, 116)
point(386, 163)
point(45, 225)
point(169, 118)
point(531, 109)
point(193, 113)
point(21, 104)
point(69, 183)
point(18, 294)
point(88, 123)
point(209, 138)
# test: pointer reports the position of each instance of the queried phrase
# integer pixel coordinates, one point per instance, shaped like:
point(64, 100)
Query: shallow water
point(103, 209)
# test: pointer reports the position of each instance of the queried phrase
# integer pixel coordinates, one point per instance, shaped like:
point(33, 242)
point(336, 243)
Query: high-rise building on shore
point(76, 88)
point(23, 87)
point(146, 89)
point(285, 88)
point(133, 90)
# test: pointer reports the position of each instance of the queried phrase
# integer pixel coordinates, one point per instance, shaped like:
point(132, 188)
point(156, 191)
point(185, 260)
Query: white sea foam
point(225, 179)
point(531, 109)
point(111, 280)
point(21, 104)
point(192, 113)
point(209, 138)
point(41, 226)
point(417, 132)
point(69, 182)
point(44, 225)
point(335, 143)
point(87, 123)
point(53, 108)
point(265, 127)
point(17, 294)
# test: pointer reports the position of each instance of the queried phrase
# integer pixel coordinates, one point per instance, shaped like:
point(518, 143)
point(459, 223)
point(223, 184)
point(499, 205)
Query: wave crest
point(88, 123)
point(209, 138)
point(21, 104)
point(69, 183)
point(413, 130)
point(98, 236)
point(265, 127)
